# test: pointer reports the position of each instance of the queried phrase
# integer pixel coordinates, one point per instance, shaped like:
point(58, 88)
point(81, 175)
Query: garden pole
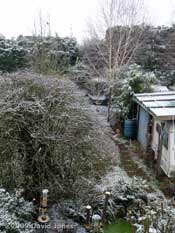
point(88, 218)
point(107, 195)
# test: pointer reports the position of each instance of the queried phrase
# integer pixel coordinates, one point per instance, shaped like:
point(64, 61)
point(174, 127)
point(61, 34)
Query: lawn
point(121, 226)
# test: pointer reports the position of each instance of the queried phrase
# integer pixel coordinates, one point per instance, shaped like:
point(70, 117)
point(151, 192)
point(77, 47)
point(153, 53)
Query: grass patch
point(121, 226)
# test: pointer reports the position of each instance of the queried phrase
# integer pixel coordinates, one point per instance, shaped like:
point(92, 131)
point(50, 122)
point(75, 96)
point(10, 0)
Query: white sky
point(66, 16)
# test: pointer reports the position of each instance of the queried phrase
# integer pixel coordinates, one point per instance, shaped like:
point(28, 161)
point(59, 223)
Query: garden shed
point(156, 127)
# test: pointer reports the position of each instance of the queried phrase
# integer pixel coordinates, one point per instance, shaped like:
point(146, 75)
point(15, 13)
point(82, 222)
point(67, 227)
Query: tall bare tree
point(42, 25)
point(116, 37)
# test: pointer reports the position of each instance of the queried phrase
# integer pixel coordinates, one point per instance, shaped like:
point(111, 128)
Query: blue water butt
point(130, 129)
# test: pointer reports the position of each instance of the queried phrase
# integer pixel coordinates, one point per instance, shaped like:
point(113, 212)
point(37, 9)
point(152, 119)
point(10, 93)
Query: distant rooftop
point(158, 104)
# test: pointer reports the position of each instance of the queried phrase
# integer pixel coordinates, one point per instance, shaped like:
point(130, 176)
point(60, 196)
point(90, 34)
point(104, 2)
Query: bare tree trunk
point(116, 38)
point(109, 104)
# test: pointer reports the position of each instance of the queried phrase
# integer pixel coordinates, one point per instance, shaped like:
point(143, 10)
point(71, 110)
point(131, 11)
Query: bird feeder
point(43, 217)
point(44, 198)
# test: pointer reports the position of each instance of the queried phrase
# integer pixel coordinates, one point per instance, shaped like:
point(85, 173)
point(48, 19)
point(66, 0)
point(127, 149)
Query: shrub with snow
point(15, 213)
point(46, 138)
point(12, 56)
point(45, 54)
point(54, 54)
point(132, 80)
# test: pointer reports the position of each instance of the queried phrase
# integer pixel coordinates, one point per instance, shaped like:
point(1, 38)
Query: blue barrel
point(130, 129)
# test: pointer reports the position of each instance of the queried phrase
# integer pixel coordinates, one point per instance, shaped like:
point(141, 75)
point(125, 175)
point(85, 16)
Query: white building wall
point(172, 150)
point(155, 137)
point(168, 155)
point(165, 160)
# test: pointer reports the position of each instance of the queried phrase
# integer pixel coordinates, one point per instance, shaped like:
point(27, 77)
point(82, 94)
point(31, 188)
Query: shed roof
point(158, 104)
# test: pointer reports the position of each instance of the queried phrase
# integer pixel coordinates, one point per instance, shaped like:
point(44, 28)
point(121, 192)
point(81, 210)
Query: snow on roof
point(164, 112)
point(158, 104)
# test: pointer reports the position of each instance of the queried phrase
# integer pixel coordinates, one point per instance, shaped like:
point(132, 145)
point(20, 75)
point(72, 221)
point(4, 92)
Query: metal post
point(88, 217)
point(162, 208)
point(107, 195)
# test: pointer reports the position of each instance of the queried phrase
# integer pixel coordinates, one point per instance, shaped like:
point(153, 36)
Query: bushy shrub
point(167, 78)
point(46, 138)
point(54, 54)
point(132, 80)
point(80, 74)
point(44, 54)
point(12, 56)
point(15, 213)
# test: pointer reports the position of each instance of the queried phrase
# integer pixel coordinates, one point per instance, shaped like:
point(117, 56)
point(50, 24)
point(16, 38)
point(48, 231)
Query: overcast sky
point(66, 16)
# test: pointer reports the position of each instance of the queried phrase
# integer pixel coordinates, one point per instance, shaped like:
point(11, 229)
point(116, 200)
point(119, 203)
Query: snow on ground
point(118, 175)
point(98, 115)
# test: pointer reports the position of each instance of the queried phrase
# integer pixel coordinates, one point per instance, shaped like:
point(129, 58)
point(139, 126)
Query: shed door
point(143, 128)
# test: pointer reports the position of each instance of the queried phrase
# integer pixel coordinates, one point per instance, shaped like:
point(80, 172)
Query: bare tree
point(116, 38)
point(42, 25)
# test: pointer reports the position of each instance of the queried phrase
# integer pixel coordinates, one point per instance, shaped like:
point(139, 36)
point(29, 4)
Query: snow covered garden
point(62, 108)
point(52, 136)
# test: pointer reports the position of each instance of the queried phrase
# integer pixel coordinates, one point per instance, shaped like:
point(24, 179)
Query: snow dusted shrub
point(46, 138)
point(12, 56)
point(80, 74)
point(54, 54)
point(44, 54)
point(15, 213)
point(132, 80)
